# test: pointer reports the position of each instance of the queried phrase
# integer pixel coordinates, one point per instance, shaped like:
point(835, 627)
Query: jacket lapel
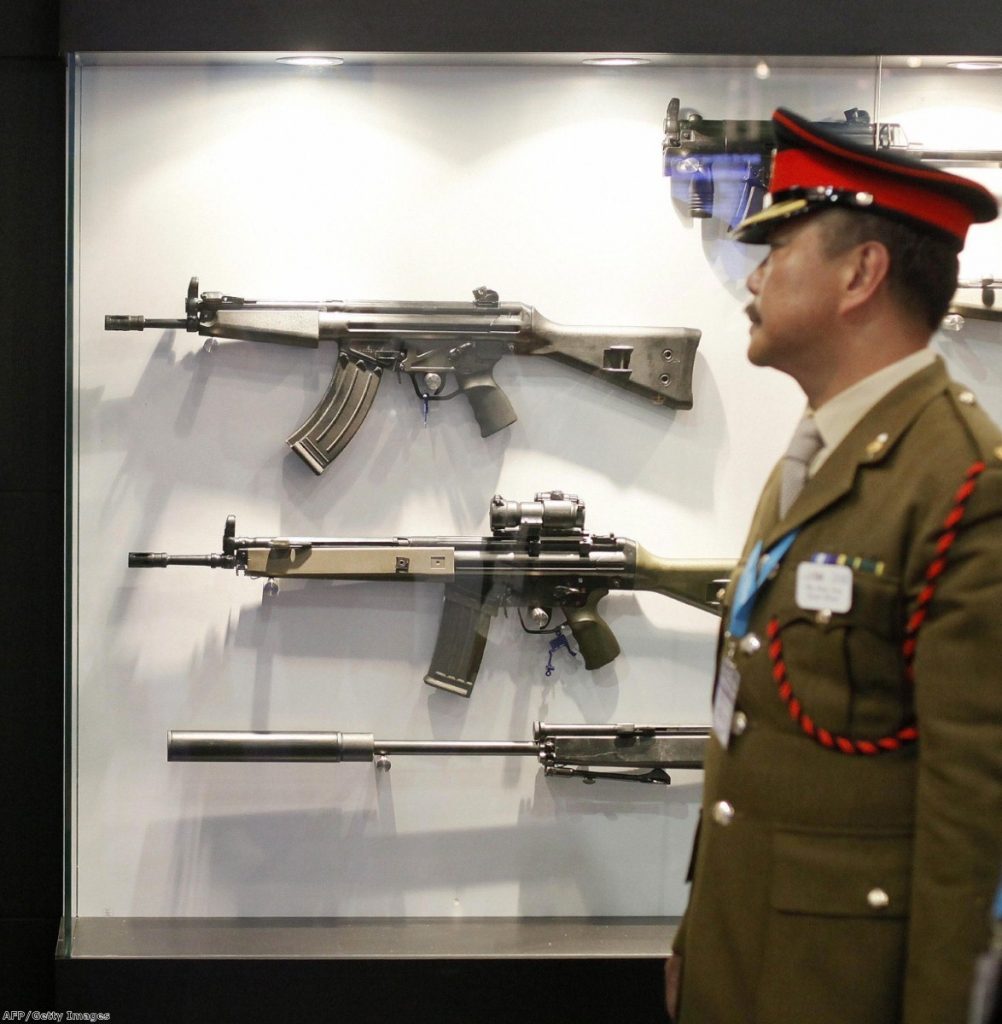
point(867, 444)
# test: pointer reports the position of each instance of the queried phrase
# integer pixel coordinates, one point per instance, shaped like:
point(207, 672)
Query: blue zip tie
point(560, 640)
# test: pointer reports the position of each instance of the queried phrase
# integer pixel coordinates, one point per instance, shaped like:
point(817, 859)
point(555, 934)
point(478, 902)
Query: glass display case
point(415, 179)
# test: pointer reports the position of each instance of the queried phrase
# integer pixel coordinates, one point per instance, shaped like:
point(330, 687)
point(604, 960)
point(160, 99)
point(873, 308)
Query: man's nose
point(754, 282)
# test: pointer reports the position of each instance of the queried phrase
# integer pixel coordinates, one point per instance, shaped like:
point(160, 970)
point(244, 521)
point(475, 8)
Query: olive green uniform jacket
point(830, 886)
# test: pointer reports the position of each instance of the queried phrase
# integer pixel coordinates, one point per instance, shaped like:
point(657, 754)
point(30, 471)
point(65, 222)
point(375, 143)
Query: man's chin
point(756, 352)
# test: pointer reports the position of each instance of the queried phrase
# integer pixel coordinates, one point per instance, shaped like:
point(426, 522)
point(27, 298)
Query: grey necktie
point(807, 442)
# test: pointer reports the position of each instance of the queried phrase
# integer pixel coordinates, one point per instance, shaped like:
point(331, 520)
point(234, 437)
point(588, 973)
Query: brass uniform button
point(876, 446)
point(823, 616)
point(749, 644)
point(878, 899)
point(967, 397)
point(723, 812)
point(739, 724)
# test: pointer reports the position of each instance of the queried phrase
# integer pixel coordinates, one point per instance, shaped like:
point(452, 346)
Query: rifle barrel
point(323, 746)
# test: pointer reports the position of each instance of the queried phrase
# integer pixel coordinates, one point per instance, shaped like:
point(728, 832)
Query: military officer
point(851, 829)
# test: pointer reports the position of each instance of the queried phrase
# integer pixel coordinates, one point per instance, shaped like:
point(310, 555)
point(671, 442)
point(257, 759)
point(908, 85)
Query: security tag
point(824, 587)
point(724, 696)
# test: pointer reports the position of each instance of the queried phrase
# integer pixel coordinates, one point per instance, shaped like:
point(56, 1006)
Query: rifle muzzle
point(160, 560)
point(140, 323)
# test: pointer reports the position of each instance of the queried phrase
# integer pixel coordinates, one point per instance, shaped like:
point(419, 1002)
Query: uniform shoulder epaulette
point(985, 434)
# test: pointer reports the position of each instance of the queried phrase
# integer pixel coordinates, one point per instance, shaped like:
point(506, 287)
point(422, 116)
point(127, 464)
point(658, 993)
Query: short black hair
point(924, 266)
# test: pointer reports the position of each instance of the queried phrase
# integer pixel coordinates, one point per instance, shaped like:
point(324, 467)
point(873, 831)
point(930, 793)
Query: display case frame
point(264, 932)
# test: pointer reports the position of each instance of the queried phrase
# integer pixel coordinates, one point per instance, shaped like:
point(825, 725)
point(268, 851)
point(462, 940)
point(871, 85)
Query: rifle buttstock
point(656, 362)
point(696, 582)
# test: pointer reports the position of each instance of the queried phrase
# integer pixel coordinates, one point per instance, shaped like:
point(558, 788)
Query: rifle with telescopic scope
point(538, 558)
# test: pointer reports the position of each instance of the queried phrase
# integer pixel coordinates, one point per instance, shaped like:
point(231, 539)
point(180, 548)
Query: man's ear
point(867, 267)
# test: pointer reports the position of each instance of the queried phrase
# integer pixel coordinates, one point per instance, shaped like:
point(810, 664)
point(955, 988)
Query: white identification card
point(824, 587)
point(726, 693)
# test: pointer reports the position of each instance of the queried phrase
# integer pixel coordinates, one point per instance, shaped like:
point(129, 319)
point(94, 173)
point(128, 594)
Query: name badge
point(726, 693)
point(826, 587)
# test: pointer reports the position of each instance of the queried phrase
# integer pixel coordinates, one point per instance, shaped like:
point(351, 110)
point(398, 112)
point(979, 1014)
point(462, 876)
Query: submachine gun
point(428, 341)
point(623, 753)
point(701, 154)
point(538, 558)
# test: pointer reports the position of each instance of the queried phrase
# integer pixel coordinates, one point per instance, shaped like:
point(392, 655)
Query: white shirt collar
point(836, 418)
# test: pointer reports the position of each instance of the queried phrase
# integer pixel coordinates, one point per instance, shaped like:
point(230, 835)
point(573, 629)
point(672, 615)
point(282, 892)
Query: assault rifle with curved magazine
point(619, 753)
point(539, 557)
point(428, 341)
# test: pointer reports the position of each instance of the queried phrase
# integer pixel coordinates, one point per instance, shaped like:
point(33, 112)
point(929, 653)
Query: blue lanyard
point(757, 570)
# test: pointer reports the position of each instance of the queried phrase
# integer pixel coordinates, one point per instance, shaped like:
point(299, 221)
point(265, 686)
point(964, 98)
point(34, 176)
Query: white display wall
point(396, 181)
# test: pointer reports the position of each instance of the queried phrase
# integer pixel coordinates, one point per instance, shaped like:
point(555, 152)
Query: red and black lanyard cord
point(907, 733)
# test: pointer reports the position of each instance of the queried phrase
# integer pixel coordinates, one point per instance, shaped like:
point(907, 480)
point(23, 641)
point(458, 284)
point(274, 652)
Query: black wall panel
point(366, 991)
point(32, 90)
point(674, 26)
point(29, 28)
point(31, 497)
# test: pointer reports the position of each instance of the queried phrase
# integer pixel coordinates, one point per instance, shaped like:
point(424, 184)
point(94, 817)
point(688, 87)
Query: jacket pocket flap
point(863, 875)
point(876, 607)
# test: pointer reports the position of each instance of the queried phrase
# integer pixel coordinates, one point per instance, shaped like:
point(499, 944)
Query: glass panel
point(952, 107)
point(385, 180)
point(71, 467)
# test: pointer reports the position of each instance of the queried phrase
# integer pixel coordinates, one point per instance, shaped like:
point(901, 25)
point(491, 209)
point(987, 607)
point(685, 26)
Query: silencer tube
point(269, 746)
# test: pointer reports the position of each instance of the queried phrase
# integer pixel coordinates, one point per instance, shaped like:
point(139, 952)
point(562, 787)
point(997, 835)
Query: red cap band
point(819, 167)
point(799, 168)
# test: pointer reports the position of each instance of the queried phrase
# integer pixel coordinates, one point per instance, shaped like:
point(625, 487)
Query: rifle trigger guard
point(426, 396)
point(542, 630)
